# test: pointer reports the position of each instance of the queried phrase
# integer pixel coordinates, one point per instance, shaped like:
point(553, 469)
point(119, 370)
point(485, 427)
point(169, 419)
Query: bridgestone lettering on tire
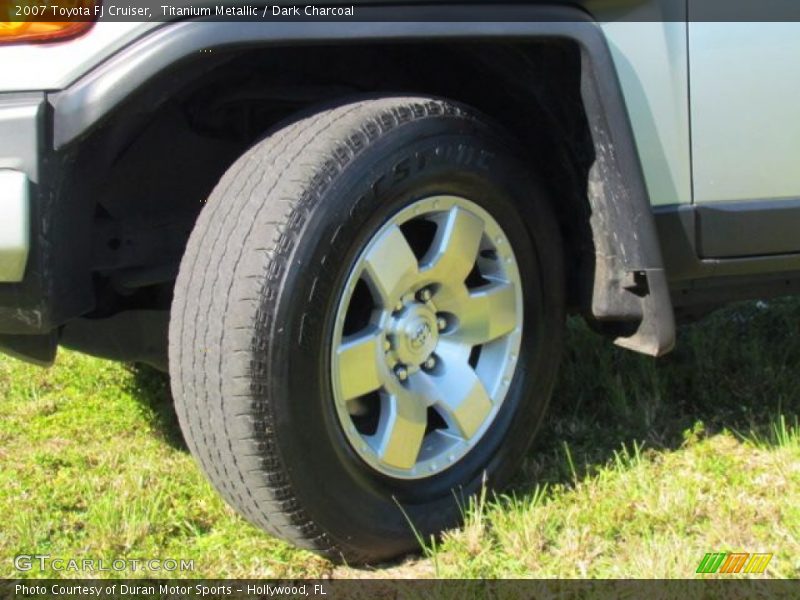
point(367, 324)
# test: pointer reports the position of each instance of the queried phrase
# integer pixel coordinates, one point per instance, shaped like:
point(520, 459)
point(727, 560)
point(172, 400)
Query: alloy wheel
point(426, 337)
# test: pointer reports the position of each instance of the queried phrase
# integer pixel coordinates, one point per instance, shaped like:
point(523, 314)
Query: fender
point(629, 283)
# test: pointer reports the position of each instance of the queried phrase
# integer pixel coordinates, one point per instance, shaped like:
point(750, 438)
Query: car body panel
point(651, 62)
point(745, 81)
point(59, 64)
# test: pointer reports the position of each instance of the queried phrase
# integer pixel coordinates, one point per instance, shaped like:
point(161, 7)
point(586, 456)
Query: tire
point(255, 361)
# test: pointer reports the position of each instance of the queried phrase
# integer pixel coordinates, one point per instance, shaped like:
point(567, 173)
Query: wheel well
point(146, 170)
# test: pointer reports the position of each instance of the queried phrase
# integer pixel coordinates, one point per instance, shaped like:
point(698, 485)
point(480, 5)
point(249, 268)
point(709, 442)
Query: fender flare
point(630, 284)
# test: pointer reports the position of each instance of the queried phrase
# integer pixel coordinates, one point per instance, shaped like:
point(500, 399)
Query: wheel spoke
point(359, 364)
point(390, 267)
point(460, 396)
point(455, 247)
point(401, 430)
point(483, 314)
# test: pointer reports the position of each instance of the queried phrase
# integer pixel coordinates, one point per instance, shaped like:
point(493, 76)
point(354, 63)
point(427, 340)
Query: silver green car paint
point(713, 107)
point(651, 62)
point(745, 85)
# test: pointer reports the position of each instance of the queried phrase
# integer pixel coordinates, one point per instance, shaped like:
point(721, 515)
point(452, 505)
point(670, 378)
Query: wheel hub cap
point(414, 335)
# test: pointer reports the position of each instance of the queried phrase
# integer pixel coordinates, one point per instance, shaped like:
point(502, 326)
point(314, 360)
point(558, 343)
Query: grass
point(641, 468)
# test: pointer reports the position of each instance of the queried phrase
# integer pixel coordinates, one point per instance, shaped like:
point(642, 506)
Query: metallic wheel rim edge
point(416, 350)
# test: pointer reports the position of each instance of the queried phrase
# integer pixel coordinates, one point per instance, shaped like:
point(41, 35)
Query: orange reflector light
point(27, 21)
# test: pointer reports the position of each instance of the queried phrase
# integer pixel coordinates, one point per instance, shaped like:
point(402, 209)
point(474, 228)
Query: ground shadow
point(150, 387)
point(737, 370)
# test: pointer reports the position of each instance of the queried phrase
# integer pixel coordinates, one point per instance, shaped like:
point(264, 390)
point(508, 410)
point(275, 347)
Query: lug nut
point(401, 372)
point(424, 295)
point(441, 323)
point(429, 363)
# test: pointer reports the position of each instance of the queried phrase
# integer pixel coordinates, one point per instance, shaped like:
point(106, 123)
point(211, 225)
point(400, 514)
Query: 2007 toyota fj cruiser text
point(353, 244)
